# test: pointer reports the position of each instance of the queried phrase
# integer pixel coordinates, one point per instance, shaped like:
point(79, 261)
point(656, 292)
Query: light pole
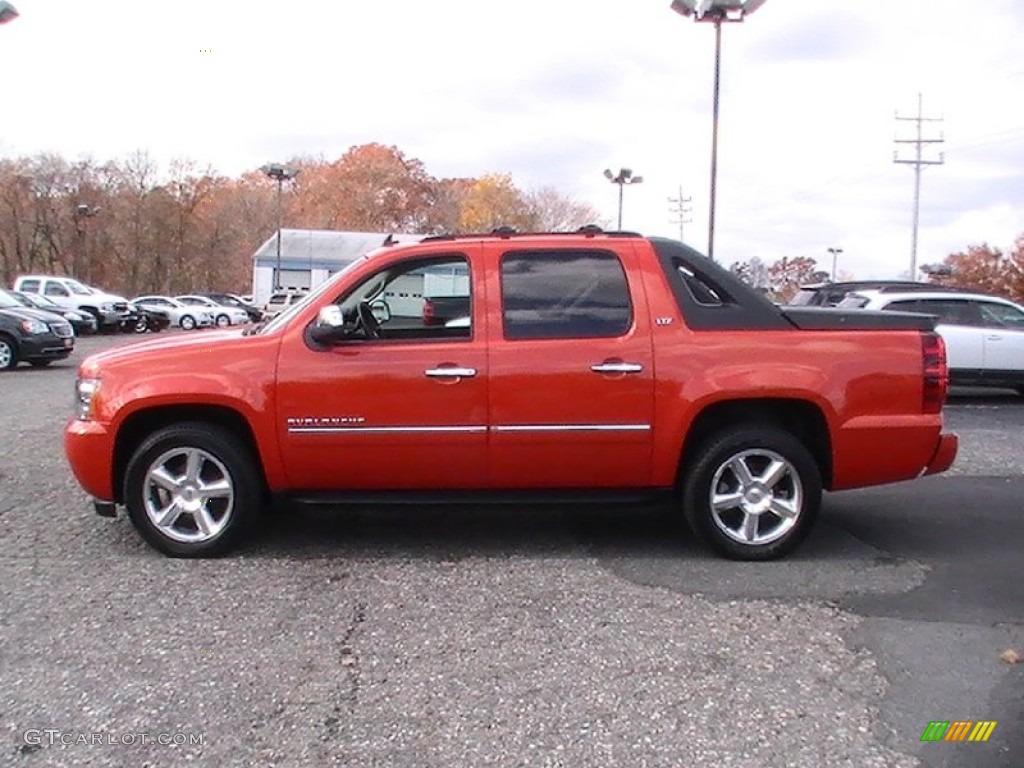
point(622, 178)
point(7, 12)
point(280, 173)
point(835, 254)
point(716, 12)
point(83, 212)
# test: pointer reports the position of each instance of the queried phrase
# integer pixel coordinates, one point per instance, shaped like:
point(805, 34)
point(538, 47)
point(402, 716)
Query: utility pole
point(918, 161)
point(681, 207)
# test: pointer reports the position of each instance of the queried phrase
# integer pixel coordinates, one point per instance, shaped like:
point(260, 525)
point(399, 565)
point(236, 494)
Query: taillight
point(936, 374)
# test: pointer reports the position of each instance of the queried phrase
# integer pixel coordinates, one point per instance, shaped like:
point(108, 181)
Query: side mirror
point(329, 327)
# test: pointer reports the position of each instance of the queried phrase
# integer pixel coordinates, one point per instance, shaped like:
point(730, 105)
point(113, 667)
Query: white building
point(310, 256)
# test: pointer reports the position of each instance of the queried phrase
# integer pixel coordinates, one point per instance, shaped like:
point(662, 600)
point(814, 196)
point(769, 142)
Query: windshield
point(7, 302)
point(803, 297)
point(285, 317)
point(77, 287)
point(853, 301)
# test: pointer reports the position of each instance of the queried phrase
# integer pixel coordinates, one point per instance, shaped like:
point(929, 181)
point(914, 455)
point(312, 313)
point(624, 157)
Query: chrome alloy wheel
point(188, 495)
point(756, 497)
point(6, 354)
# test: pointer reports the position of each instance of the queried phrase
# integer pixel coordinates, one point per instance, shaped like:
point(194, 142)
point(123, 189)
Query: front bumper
point(89, 448)
point(45, 346)
point(945, 454)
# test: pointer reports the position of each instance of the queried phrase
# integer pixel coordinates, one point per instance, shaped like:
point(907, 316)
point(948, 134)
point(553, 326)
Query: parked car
point(984, 335)
point(223, 316)
point(33, 335)
point(181, 315)
point(279, 301)
point(241, 302)
point(142, 319)
point(591, 367)
point(107, 308)
point(81, 322)
point(830, 294)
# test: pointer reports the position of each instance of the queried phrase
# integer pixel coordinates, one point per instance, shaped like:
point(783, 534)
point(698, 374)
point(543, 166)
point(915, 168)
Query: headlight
point(85, 394)
point(34, 326)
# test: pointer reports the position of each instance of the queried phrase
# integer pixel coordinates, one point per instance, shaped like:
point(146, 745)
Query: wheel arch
point(801, 418)
point(139, 425)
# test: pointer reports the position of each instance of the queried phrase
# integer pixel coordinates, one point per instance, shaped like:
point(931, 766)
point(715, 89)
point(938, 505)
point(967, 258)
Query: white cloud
point(556, 92)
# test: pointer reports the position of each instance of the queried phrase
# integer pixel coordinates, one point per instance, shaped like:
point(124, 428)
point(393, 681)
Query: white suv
point(984, 335)
point(107, 308)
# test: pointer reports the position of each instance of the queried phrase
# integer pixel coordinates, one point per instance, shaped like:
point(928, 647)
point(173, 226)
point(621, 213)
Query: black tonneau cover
point(832, 319)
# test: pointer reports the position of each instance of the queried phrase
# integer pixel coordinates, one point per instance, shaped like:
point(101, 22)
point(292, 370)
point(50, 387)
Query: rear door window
point(564, 294)
point(30, 286)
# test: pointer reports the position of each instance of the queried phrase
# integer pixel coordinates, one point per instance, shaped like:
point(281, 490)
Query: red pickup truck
point(592, 366)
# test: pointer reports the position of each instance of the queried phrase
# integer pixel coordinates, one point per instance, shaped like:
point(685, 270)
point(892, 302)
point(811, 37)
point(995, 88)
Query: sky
point(553, 92)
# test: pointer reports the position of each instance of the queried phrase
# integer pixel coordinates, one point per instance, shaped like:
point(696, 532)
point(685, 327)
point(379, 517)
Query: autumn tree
point(985, 269)
point(787, 275)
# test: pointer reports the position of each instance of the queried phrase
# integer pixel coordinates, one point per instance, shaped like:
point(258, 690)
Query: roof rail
point(589, 230)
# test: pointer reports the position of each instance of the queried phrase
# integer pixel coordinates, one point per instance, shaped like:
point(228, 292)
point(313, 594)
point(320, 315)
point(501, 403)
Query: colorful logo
point(958, 730)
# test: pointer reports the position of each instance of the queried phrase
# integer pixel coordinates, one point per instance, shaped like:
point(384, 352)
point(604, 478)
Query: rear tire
point(752, 493)
point(223, 321)
point(8, 353)
point(188, 323)
point(192, 490)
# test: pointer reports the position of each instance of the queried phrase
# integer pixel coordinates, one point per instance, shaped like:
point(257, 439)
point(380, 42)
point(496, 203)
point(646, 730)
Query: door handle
point(450, 373)
point(993, 337)
point(616, 367)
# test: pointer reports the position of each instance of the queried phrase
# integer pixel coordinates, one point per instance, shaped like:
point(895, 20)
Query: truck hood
point(170, 346)
point(42, 315)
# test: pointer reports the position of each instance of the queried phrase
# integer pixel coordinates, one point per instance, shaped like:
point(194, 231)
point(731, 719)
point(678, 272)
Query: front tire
point(191, 490)
point(752, 493)
point(223, 321)
point(8, 353)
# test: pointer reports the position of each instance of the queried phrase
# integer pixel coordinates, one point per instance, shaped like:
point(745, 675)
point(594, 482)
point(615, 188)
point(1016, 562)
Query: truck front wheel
point(752, 493)
point(191, 490)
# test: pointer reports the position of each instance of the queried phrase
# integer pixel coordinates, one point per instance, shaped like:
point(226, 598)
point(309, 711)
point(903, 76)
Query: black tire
point(141, 325)
point(223, 321)
point(749, 528)
point(8, 353)
point(188, 323)
point(202, 526)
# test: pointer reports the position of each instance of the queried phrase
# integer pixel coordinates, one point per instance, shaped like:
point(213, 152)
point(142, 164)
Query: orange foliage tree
point(128, 227)
point(986, 270)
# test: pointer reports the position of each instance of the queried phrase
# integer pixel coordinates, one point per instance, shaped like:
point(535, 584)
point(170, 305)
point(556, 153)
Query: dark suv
point(32, 335)
point(830, 294)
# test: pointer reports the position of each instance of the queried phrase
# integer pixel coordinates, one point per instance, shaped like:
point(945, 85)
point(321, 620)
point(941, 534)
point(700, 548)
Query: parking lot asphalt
point(529, 635)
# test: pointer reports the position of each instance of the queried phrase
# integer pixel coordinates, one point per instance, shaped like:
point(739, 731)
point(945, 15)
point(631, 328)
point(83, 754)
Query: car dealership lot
point(511, 635)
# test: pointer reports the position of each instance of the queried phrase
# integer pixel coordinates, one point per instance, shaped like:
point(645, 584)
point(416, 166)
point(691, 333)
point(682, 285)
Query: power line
point(919, 162)
point(681, 207)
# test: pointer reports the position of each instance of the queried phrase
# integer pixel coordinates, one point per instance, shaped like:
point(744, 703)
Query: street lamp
point(835, 254)
point(280, 173)
point(7, 12)
point(716, 12)
point(622, 178)
point(83, 212)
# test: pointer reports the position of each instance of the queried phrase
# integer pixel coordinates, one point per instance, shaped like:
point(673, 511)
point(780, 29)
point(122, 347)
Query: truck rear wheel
point(191, 490)
point(752, 493)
